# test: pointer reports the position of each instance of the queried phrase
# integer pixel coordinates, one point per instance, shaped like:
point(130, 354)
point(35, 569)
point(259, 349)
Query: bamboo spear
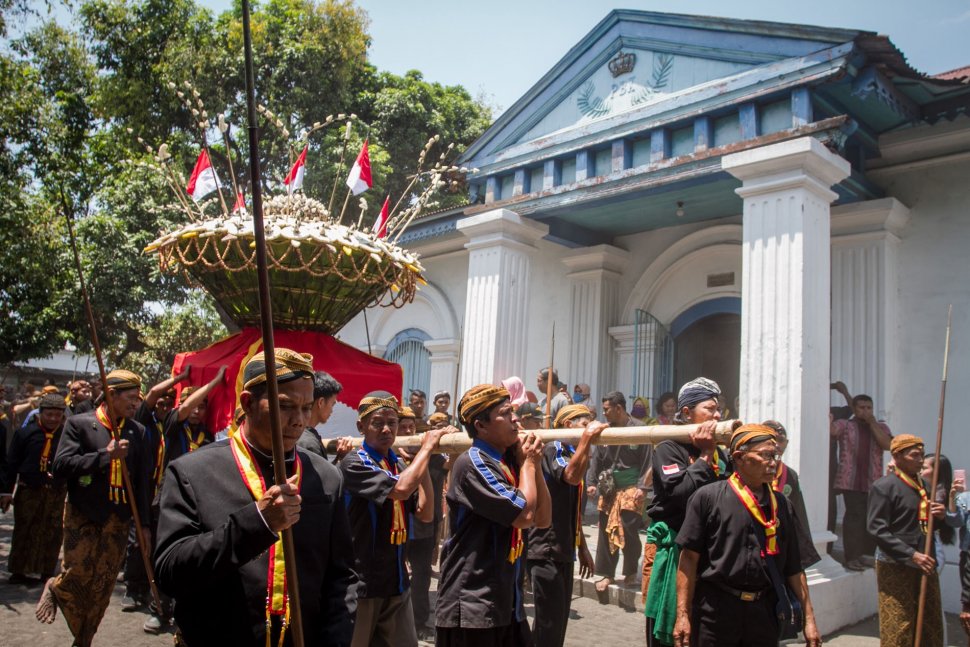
point(266, 321)
point(456, 443)
point(924, 581)
point(96, 344)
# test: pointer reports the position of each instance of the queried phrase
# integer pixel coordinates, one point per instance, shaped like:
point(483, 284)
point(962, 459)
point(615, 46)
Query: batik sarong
point(898, 586)
point(38, 521)
point(93, 554)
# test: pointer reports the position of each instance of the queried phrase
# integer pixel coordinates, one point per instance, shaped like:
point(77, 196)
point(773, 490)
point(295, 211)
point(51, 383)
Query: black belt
point(744, 596)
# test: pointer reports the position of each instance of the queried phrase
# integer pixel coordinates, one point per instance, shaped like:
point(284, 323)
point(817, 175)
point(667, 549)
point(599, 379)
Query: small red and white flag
point(203, 180)
point(380, 227)
point(359, 179)
point(294, 180)
point(240, 205)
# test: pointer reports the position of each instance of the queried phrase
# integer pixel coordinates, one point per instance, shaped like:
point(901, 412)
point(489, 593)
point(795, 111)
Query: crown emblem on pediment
point(622, 63)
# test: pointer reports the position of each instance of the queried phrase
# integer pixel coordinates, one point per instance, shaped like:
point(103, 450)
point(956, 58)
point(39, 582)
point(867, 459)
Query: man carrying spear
point(899, 512)
point(222, 515)
point(98, 513)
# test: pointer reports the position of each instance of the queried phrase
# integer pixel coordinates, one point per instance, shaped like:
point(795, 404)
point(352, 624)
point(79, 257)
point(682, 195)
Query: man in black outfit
point(736, 531)
point(221, 519)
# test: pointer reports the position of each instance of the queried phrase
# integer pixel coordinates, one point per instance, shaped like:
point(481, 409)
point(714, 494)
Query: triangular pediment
point(634, 60)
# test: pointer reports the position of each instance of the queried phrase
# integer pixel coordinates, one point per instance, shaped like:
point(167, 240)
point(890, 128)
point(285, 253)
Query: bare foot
point(47, 605)
point(603, 584)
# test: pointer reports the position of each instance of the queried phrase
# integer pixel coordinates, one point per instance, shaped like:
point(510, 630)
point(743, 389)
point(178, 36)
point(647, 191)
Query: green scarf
point(626, 478)
point(661, 603)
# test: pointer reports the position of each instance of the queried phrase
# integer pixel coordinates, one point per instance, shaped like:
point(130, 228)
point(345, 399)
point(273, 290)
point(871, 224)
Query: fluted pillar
point(785, 319)
point(594, 299)
point(500, 244)
point(444, 364)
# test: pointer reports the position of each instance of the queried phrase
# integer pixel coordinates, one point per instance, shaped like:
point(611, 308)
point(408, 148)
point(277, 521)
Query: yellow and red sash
point(515, 549)
point(192, 444)
point(277, 597)
point(924, 500)
point(579, 513)
point(116, 484)
point(399, 526)
point(45, 453)
point(750, 502)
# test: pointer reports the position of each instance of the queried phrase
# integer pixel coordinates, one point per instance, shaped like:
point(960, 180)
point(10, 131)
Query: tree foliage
point(82, 105)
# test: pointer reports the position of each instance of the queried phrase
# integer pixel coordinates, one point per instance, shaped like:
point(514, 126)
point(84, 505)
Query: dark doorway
point(711, 347)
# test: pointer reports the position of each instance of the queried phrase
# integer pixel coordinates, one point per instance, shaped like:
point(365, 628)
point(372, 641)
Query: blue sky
point(500, 48)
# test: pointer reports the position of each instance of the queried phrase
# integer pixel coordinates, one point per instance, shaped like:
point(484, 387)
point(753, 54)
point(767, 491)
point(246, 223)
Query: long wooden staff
point(924, 581)
point(456, 443)
point(552, 358)
point(96, 344)
point(455, 396)
point(266, 321)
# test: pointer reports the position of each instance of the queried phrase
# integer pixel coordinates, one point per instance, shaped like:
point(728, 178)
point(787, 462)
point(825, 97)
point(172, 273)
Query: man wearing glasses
point(739, 554)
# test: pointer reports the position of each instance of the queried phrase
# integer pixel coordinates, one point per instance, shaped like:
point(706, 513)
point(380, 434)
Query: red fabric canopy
point(358, 372)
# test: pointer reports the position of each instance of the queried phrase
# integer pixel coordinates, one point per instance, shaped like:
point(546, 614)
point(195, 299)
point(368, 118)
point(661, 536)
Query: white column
point(594, 276)
point(444, 364)
point(500, 244)
point(624, 351)
point(785, 336)
point(864, 299)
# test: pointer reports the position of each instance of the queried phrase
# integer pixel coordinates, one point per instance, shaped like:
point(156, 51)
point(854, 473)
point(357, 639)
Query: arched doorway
point(707, 342)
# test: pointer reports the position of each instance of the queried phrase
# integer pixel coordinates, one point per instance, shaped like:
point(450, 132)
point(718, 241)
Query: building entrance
point(711, 347)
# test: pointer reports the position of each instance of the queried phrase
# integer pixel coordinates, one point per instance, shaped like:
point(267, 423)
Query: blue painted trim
point(621, 156)
point(520, 183)
point(582, 165)
point(693, 314)
point(491, 189)
point(750, 121)
point(551, 173)
point(476, 455)
point(659, 145)
point(801, 107)
point(703, 134)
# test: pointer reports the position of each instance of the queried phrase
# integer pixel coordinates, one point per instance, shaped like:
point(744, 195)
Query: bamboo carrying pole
point(456, 443)
point(924, 581)
point(269, 345)
point(95, 343)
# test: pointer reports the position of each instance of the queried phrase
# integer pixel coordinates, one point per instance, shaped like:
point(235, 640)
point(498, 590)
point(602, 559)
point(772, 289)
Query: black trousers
point(420, 552)
point(632, 548)
point(516, 634)
point(719, 619)
point(136, 578)
point(552, 590)
point(856, 541)
point(964, 577)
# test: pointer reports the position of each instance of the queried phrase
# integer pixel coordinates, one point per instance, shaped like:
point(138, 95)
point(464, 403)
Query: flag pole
point(340, 164)
point(928, 545)
point(266, 321)
point(126, 478)
point(552, 358)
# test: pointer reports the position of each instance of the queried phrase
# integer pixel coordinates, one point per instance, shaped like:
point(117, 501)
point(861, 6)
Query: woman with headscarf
point(679, 469)
point(516, 388)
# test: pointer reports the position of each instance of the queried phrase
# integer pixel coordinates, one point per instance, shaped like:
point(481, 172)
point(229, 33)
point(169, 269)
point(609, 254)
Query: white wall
point(934, 271)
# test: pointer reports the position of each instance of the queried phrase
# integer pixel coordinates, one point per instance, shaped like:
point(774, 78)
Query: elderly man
point(899, 511)
point(620, 510)
point(739, 561)
point(496, 491)
point(98, 513)
point(382, 493)
point(559, 399)
point(679, 469)
point(552, 551)
point(219, 550)
point(39, 502)
point(861, 440)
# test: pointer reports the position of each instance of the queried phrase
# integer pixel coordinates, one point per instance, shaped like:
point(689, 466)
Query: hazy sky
point(500, 48)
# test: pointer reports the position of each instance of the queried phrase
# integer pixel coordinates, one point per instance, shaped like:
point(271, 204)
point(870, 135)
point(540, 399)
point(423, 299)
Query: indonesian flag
point(380, 227)
point(359, 179)
point(203, 180)
point(294, 180)
point(240, 205)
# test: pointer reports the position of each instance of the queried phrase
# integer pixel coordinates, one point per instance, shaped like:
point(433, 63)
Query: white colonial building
point(773, 206)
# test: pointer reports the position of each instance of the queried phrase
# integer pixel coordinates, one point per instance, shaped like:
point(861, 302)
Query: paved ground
point(591, 624)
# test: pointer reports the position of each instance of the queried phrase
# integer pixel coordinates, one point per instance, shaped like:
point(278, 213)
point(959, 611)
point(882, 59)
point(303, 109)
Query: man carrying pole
point(92, 450)
point(899, 513)
point(222, 515)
